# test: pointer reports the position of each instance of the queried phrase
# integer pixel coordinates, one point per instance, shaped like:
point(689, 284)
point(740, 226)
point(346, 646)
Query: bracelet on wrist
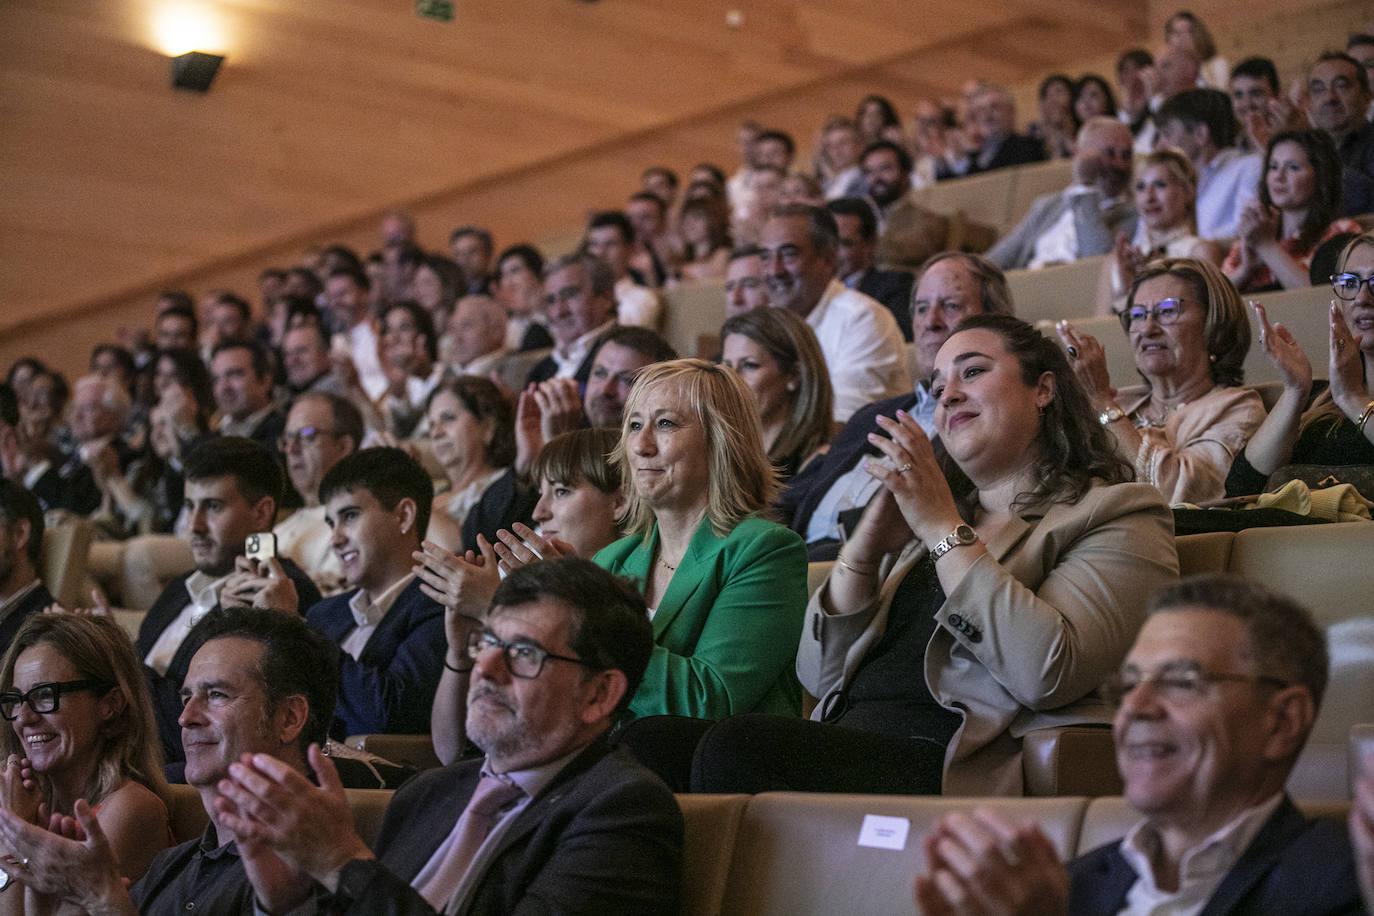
point(456, 670)
point(872, 571)
point(1364, 417)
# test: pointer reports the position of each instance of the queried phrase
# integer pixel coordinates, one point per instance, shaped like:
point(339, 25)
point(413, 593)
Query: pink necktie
point(481, 814)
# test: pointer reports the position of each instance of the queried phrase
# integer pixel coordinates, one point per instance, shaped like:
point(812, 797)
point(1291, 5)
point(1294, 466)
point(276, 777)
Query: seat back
point(1031, 181)
point(64, 561)
point(1209, 552)
point(693, 312)
point(1325, 568)
point(711, 823)
point(807, 853)
point(1061, 291)
point(984, 198)
point(1070, 760)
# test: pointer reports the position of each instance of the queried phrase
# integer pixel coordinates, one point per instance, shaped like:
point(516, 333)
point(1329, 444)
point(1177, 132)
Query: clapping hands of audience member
point(1129, 262)
point(981, 864)
point(268, 805)
point(544, 410)
point(523, 545)
point(463, 585)
point(1088, 361)
point(261, 584)
point(1346, 370)
point(100, 606)
point(914, 478)
point(71, 859)
point(19, 789)
point(1295, 369)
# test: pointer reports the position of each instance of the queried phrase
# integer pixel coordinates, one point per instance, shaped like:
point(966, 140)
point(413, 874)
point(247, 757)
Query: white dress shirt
point(204, 593)
point(1059, 243)
point(1224, 186)
point(368, 612)
point(637, 305)
point(569, 360)
point(1201, 870)
point(863, 348)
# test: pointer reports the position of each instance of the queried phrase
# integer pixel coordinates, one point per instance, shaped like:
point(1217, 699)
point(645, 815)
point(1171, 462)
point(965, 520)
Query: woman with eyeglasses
point(81, 726)
point(1312, 423)
point(1299, 201)
point(1181, 429)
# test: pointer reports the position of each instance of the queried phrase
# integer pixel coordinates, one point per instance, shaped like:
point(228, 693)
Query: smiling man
point(232, 489)
point(1215, 701)
point(551, 820)
point(579, 295)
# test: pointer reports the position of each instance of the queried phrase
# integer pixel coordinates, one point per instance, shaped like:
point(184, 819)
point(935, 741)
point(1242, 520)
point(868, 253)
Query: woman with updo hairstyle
point(472, 431)
point(958, 618)
point(81, 727)
point(725, 587)
point(1297, 209)
point(1188, 331)
point(777, 355)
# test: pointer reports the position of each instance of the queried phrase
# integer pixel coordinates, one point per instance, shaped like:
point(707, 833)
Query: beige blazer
point(1035, 626)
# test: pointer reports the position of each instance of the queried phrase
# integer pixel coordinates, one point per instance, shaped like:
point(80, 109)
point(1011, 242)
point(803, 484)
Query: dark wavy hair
point(1325, 205)
point(1073, 447)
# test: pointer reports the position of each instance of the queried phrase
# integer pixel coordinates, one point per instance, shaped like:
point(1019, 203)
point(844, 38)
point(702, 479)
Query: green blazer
point(727, 630)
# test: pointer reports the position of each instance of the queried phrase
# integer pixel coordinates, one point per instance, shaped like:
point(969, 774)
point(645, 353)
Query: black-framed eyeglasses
point(1347, 286)
point(523, 659)
point(1165, 311)
point(1180, 685)
point(306, 435)
point(44, 698)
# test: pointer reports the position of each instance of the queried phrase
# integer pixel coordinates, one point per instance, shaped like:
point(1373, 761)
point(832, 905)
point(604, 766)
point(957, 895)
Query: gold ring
point(904, 468)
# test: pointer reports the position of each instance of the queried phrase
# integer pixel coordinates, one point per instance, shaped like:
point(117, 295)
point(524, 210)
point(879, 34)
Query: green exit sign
point(438, 10)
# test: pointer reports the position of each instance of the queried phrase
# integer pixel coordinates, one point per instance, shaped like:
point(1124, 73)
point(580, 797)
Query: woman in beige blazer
point(953, 623)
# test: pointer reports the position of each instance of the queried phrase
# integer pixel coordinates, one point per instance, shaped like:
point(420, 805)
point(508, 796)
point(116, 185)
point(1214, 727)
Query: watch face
point(964, 535)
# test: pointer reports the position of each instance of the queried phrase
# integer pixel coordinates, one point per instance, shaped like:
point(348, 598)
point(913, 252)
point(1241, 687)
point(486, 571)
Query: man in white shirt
point(1215, 701)
point(410, 347)
point(1083, 219)
point(609, 238)
point(233, 486)
point(859, 338)
point(346, 294)
point(1201, 125)
point(579, 296)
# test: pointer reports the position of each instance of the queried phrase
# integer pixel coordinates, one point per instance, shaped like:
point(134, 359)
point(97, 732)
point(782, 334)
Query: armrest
point(1070, 760)
point(410, 750)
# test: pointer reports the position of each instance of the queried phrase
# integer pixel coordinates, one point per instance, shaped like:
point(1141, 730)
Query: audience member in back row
point(1084, 218)
point(1299, 199)
point(520, 287)
point(826, 498)
point(232, 489)
point(858, 237)
point(724, 587)
point(1201, 124)
point(22, 593)
point(472, 430)
point(776, 354)
point(746, 286)
point(79, 724)
point(579, 296)
point(1308, 425)
point(862, 344)
point(1189, 335)
point(952, 623)
point(1214, 704)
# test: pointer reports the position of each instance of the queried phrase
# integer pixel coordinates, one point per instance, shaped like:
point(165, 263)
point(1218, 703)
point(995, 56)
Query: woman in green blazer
point(725, 588)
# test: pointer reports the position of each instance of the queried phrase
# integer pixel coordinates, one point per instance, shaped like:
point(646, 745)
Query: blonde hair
point(99, 650)
point(1180, 170)
point(742, 481)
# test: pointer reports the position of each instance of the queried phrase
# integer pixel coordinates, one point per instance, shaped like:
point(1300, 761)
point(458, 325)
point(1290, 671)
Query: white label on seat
point(882, 832)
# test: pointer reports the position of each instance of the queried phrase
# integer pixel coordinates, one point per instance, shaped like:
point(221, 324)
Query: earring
point(1211, 357)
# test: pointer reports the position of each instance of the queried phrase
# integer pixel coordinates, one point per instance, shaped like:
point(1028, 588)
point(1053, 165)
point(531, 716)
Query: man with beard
point(907, 234)
point(1084, 219)
point(860, 339)
point(232, 489)
point(554, 407)
point(552, 819)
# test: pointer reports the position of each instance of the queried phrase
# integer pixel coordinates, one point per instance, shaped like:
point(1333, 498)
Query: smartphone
point(260, 546)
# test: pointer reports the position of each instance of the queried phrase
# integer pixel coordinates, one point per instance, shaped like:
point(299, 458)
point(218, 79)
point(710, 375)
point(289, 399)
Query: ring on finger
point(904, 468)
point(1073, 351)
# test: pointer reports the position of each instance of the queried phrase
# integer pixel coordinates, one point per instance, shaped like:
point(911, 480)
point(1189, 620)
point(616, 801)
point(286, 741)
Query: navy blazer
point(893, 289)
point(503, 504)
point(604, 836)
point(1293, 866)
point(798, 502)
point(166, 688)
point(390, 687)
point(33, 603)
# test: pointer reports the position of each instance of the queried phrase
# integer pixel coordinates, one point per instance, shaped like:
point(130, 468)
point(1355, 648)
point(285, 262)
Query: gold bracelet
point(839, 558)
point(1364, 417)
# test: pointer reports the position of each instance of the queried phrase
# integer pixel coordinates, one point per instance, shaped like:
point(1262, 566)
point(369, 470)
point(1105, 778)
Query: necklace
point(666, 565)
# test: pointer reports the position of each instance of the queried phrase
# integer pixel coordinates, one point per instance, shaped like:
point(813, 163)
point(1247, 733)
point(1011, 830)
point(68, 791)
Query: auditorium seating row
point(798, 853)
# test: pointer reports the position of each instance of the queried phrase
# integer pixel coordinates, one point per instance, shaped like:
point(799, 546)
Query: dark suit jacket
point(893, 289)
point(605, 836)
point(546, 368)
point(33, 603)
point(1016, 149)
point(503, 504)
point(69, 483)
point(806, 490)
point(1293, 866)
point(390, 686)
point(166, 688)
